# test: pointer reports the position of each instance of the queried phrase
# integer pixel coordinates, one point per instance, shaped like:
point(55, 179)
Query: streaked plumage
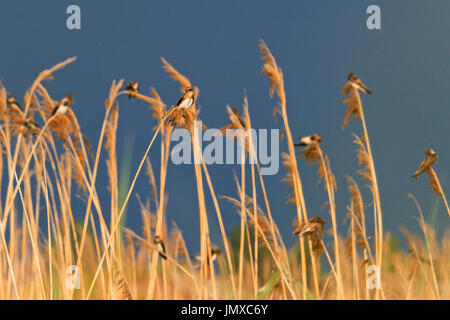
point(63, 105)
point(313, 229)
point(314, 226)
point(187, 98)
point(159, 244)
point(133, 87)
point(356, 82)
point(430, 158)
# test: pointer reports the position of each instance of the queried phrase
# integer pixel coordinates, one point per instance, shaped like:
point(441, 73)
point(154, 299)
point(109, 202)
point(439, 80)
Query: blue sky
point(214, 43)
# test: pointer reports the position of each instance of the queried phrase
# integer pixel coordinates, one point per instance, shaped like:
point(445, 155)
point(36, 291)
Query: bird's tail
point(162, 255)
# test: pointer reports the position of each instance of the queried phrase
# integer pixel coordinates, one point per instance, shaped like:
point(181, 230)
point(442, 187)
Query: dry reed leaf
point(152, 181)
point(239, 126)
point(331, 177)
point(434, 184)
point(288, 178)
point(88, 145)
point(363, 161)
point(130, 249)
point(348, 247)
point(263, 226)
point(177, 243)
point(3, 103)
point(353, 108)
point(111, 129)
point(236, 121)
point(113, 92)
point(356, 197)
point(181, 117)
point(356, 211)
point(158, 107)
point(63, 124)
point(175, 75)
point(311, 153)
point(274, 73)
point(77, 175)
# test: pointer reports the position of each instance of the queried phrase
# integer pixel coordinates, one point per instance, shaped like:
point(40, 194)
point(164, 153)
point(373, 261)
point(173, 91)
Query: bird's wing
point(180, 100)
point(362, 86)
point(421, 169)
point(54, 111)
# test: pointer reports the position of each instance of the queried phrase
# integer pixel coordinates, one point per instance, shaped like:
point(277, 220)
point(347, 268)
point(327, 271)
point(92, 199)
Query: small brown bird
point(310, 153)
point(430, 158)
point(32, 126)
point(63, 105)
point(158, 241)
point(14, 104)
point(187, 98)
point(313, 226)
point(313, 139)
point(357, 83)
point(215, 252)
point(313, 229)
point(133, 87)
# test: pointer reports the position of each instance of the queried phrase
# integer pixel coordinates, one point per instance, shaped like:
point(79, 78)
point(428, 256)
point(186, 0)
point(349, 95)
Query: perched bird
point(133, 87)
point(158, 241)
point(14, 104)
point(63, 105)
point(313, 226)
point(313, 229)
point(32, 126)
point(187, 98)
point(356, 82)
point(215, 252)
point(430, 158)
point(311, 152)
point(312, 140)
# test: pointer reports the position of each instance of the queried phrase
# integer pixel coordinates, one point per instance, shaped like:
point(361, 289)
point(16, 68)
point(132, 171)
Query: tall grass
point(41, 238)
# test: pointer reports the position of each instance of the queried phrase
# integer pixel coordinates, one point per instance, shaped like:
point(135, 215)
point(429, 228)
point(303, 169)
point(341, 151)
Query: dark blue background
point(214, 43)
